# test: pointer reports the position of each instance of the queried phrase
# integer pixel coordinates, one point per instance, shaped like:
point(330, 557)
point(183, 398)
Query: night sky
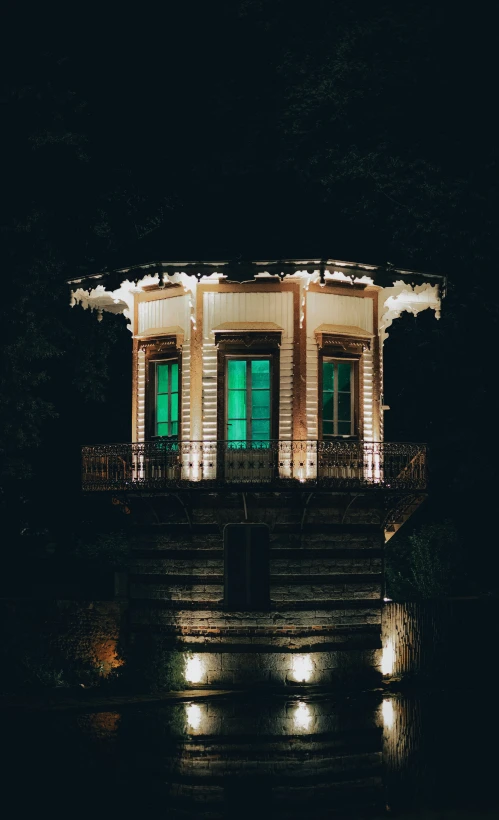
point(240, 130)
point(251, 129)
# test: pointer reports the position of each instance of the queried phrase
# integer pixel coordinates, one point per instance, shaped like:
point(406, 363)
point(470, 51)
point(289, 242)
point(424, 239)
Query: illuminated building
point(257, 475)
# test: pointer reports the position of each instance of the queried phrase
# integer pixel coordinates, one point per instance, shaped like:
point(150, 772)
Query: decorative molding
point(121, 299)
point(157, 345)
point(346, 343)
point(249, 339)
point(403, 297)
point(116, 290)
point(162, 273)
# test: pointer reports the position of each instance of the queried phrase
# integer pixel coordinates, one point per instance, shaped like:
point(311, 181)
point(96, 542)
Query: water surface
point(427, 756)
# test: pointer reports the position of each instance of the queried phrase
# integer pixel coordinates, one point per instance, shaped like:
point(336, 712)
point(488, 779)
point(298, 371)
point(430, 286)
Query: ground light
point(388, 658)
point(194, 670)
point(302, 668)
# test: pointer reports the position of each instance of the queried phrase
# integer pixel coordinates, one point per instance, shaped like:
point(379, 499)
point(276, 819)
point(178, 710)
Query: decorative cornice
point(250, 339)
point(163, 343)
point(349, 343)
point(410, 298)
point(249, 270)
point(115, 291)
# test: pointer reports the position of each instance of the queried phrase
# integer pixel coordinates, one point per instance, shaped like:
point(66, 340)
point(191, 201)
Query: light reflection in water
point(302, 717)
point(387, 712)
point(194, 716)
point(388, 658)
point(302, 757)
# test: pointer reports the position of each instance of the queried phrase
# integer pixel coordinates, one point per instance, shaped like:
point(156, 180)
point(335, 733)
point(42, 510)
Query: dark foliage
point(150, 664)
point(251, 129)
point(427, 563)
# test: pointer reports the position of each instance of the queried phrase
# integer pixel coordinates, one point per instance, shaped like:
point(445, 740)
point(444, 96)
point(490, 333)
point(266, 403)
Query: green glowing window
point(166, 422)
point(248, 401)
point(337, 398)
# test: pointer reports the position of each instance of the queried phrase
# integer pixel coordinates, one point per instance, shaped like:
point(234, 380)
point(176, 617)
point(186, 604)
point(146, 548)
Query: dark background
point(258, 129)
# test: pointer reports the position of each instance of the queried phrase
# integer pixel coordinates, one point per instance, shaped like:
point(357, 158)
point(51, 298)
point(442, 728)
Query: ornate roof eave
point(238, 272)
point(114, 291)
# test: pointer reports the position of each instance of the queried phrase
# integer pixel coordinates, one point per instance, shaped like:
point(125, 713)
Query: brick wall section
point(439, 638)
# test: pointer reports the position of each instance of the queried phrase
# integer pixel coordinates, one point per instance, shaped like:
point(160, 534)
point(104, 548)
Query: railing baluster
point(337, 463)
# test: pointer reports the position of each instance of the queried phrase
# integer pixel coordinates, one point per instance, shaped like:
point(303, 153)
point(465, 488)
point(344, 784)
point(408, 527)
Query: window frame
point(165, 352)
point(332, 353)
point(253, 351)
point(169, 393)
point(249, 387)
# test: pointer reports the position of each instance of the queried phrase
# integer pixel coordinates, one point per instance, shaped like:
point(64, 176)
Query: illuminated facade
point(257, 474)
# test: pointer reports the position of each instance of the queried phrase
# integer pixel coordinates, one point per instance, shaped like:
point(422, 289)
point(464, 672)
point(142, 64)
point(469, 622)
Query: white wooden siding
point(312, 404)
point(153, 318)
point(247, 307)
point(368, 391)
point(185, 417)
point(159, 314)
point(329, 308)
point(381, 413)
point(209, 391)
point(141, 395)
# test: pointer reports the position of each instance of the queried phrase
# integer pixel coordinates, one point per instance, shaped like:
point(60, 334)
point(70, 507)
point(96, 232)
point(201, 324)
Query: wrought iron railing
point(340, 463)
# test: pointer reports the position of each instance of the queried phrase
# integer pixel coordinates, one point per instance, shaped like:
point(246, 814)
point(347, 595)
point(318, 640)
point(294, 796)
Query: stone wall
point(254, 667)
point(325, 583)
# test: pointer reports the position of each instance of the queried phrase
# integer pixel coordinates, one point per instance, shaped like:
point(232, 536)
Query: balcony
point(340, 464)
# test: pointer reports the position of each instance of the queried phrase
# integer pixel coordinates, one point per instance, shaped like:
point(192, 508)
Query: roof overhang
point(114, 291)
point(228, 271)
